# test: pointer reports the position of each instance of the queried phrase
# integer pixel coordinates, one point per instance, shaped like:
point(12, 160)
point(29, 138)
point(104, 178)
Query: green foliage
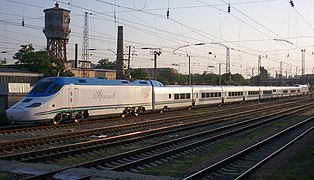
point(39, 62)
point(168, 76)
point(139, 74)
point(35, 61)
point(58, 69)
point(105, 64)
point(264, 75)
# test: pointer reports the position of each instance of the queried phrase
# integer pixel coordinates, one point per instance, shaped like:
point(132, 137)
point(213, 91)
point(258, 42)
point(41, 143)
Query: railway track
point(240, 165)
point(48, 142)
point(163, 152)
point(29, 128)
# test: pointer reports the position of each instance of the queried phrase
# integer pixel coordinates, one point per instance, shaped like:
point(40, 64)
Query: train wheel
point(76, 120)
point(123, 114)
point(56, 120)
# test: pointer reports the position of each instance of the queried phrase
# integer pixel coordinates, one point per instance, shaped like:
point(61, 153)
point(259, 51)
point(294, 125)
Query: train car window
point(219, 94)
point(203, 95)
point(41, 87)
point(293, 91)
point(143, 82)
point(55, 88)
point(285, 91)
point(207, 95)
point(230, 93)
point(188, 96)
point(176, 96)
point(274, 90)
point(169, 96)
point(298, 90)
point(82, 81)
point(182, 96)
point(124, 82)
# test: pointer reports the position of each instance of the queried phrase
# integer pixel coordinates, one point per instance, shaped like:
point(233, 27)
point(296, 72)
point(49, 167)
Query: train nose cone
point(15, 113)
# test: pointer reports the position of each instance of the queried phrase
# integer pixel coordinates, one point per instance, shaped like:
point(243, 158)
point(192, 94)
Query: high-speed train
point(56, 99)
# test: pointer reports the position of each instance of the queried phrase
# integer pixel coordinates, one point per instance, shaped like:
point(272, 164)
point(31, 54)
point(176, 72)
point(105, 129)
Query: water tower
point(57, 32)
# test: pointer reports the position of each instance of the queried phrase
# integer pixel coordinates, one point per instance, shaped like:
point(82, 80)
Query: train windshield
point(42, 86)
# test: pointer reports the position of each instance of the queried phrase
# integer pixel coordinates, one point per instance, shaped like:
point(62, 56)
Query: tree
point(58, 69)
point(139, 74)
point(168, 76)
point(40, 62)
point(105, 64)
point(35, 61)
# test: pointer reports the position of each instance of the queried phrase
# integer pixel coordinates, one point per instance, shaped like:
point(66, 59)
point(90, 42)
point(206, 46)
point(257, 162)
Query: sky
point(272, 29)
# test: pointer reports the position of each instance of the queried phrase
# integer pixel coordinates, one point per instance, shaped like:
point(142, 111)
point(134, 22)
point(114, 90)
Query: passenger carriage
point(294, 91)
point(277, 91)
point(251, 93)
point(205, 95)
point(232, 94)
point(304, 89)
point(266, 92)
point(285, 91)
point(168, 97)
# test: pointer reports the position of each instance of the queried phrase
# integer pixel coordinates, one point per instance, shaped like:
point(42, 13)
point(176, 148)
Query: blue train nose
point(15, 113)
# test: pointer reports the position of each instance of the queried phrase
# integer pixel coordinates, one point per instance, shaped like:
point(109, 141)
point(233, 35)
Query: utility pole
point(85, 54)
point(303, 61)
point(228, 72)
point(190, 77)
point(219, 71)
point(129, 59)
point(155, 51)
point(155, 63)
point(253, 76)
point(259, 69)
point(281, 73)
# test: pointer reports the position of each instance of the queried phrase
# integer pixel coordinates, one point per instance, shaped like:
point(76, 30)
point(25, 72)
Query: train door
point(71, 97)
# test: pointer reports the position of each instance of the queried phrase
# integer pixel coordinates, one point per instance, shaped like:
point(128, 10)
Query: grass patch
point(179, 167)
point(184, 165)
point(300, 167)
point(308, 113)
point(3, 176)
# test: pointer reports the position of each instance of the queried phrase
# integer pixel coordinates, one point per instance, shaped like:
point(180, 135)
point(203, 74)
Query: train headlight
point(33, 105)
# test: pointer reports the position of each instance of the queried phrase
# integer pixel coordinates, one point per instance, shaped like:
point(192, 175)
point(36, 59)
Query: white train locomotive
point(56, 99)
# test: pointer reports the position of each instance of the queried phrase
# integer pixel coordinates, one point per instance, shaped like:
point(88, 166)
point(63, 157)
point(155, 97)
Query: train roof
point(94, 81)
